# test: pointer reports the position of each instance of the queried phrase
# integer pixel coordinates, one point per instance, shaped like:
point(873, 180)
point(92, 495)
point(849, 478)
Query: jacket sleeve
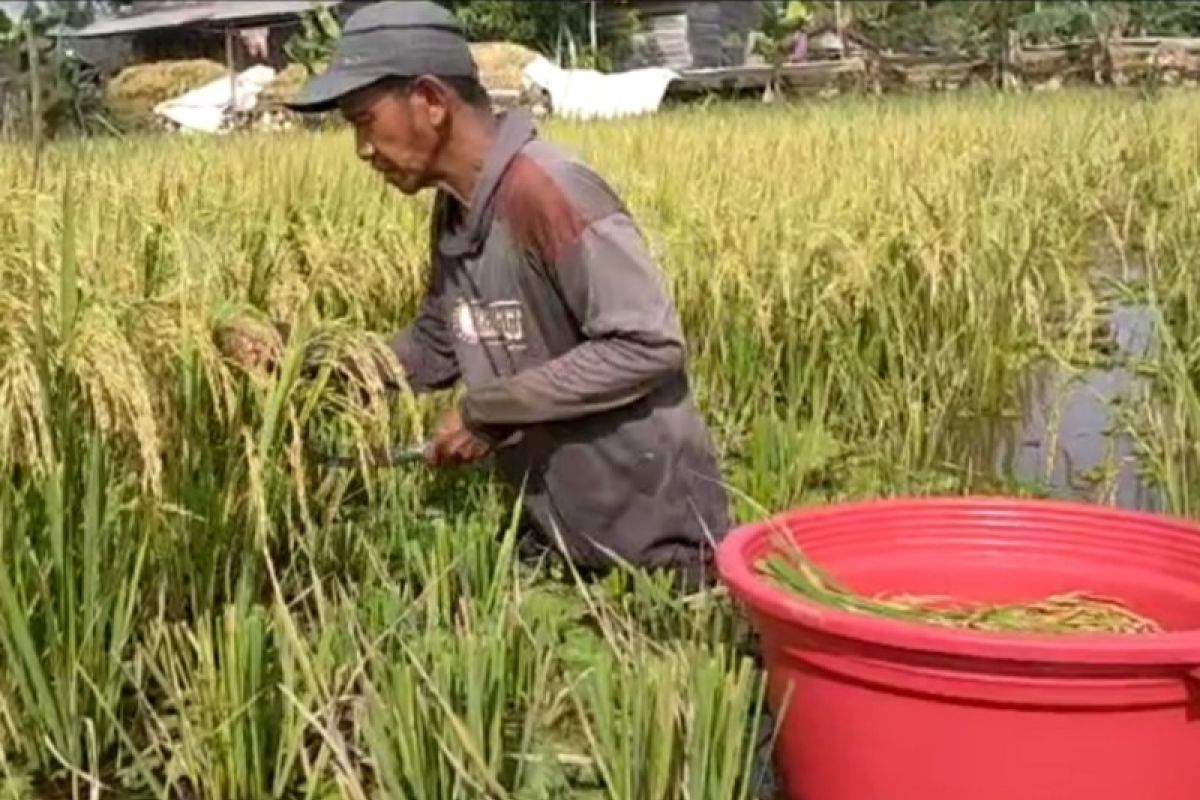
point(425, 348)
point(632, 336)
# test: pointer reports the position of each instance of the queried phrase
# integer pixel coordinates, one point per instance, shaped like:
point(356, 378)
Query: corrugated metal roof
point(191, 14)
point(167, 18)
point(249, 9)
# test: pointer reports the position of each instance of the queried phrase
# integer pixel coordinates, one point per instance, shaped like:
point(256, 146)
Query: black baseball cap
point(388, 39)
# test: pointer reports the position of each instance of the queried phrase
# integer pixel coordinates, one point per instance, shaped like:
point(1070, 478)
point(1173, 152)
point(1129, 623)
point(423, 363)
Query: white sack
point(588, 94)
point(205, 108)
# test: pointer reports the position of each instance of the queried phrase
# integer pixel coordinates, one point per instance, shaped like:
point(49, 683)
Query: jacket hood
point(515, 131)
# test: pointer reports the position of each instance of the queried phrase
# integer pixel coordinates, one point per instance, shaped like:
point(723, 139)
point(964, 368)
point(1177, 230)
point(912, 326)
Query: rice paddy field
point(193, 606)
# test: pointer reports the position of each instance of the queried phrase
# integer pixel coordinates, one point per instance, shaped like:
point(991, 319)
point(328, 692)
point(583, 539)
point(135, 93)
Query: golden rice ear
point(116, 386)
point(24, 430)
point(233, 331)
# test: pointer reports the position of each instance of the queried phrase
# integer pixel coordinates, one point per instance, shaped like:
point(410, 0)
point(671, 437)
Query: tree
point(969, 26)
point(944, 26)
point(46, 82)
point(313, 44)
point(537, 25)
point(773, 40)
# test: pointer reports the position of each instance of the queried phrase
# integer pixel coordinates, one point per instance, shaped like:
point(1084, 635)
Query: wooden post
point(594, 38)
point(232, 70)
point(558, 37)
point(841, 26)
point(1003, 45)
point(35, 97)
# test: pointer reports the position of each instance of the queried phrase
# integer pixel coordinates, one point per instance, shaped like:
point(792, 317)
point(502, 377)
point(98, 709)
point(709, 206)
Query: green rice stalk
point(1060, 614)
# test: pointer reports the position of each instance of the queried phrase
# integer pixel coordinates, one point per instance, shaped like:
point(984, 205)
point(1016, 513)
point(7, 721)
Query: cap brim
point(322, 92)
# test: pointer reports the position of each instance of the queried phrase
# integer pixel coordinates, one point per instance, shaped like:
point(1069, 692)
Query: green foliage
point(312, 46)
point(958, 27)
point(536, 25)
point(779, 25)
point(1165, 17)
point(1054, 22)
point(69, 98)
point(547, 27)
point(968, 26)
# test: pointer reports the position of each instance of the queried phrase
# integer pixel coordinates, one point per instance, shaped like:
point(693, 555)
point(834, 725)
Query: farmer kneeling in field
point(543, 299)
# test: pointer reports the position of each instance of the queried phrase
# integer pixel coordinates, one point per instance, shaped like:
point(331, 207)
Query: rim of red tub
point(1171, 648)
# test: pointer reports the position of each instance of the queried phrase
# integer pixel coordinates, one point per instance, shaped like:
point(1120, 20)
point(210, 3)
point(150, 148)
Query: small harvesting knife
point(390, 457)
point(397, 456)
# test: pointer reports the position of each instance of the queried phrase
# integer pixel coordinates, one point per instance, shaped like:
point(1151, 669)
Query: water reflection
point(1067, 441)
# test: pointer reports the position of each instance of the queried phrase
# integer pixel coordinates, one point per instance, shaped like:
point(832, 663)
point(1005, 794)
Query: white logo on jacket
point(501, 321)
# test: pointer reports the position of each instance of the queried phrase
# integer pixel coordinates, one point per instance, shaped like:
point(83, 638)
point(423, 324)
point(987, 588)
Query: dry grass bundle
point(135, 91)
point(501, 64)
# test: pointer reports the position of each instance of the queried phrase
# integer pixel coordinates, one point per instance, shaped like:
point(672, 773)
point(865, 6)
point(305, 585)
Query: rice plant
point(196, 602)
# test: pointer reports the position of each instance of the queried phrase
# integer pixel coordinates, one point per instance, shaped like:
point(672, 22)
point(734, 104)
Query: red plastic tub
point(879, 709)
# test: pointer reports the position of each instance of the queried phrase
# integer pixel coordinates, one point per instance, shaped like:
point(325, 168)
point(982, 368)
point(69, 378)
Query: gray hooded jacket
point(546, 303)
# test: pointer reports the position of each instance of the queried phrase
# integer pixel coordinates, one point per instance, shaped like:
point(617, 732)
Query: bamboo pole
point(232, 71)
point(840, 22)
point(35, 98)
point(594, 38)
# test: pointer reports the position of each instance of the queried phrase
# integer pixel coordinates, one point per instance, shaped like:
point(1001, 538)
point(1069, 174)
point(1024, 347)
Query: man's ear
point(434, 96)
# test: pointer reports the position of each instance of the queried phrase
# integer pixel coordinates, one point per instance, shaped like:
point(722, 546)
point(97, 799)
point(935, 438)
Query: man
point(543, 300)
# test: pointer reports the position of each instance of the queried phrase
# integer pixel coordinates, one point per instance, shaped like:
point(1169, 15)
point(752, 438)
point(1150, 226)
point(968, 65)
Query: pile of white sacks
point(588, 94)
point(573, 93)
point(209, 108)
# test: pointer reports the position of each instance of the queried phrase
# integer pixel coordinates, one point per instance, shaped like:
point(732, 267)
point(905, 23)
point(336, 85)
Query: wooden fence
point(1117, 62)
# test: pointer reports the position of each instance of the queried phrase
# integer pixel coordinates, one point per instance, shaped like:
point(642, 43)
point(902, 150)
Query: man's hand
point(454, 445)
point(253, 347)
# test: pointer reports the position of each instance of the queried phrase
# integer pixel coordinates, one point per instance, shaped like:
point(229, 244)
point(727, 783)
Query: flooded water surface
point(1068, 439)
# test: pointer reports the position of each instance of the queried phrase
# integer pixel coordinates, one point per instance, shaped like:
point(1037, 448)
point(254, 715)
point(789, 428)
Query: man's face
point(398, 133)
